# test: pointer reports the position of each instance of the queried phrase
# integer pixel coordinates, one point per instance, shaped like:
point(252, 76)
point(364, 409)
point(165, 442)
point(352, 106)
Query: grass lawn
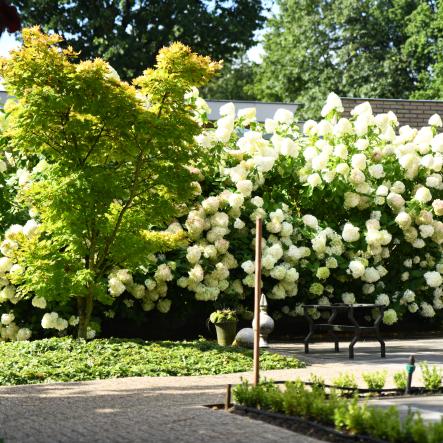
point(67, 359)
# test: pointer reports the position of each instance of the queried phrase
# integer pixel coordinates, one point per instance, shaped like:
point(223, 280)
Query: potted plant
point(225, 322)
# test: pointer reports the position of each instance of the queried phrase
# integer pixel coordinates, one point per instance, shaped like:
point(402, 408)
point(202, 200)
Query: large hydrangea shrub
point(351, 212)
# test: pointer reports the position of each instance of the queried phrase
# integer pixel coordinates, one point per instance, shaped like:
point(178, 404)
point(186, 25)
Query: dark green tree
point(354, 48)
point(128, 34)
point(233, 83)
point(424, 49)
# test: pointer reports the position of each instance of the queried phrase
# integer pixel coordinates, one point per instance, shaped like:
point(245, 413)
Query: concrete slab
point(429, 407)
point(325, 362)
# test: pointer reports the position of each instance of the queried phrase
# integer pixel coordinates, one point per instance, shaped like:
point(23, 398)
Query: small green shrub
point(385, 424)
point(435, 432)
point(223, 315)
point(350, 416)
point(375, 380)
point(401, 380)
point(345, 381)
point(317, 381)
point(431, 376)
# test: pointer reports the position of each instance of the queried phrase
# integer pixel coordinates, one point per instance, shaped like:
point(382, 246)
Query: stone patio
point(170, 409)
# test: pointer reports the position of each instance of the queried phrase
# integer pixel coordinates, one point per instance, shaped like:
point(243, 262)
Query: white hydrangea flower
point(239, 224)
point(433, 279)
point(291, 275)
point(278, 272)
point(357, 268)
point(196, 274)
point(163, 273)
point(371, 275)
point(412, 308)
point(358, 161)
point(115, 287)
point(164, 305)
point(333, 103)
point(426, 310)
point(137, 290)
point(248, 114)
point(376, 171)
point(211, 205)
point(283, 116)
point(23, 334)
point(323, 273)
point(270, 125)
point(7, 319)
point(437, 206)
point(244, 187)
point(73, 320)
point(248, 266)
point(124, 276)
point(403, 219)
point(193, 255)
point(435, 120)
point(423, 195)
point(368, 288)
point(348, 298)
point(395, 201)
point(227, 109)
point(236, 200)
point(5, 264)
point(314, 180)
point(39, 302)
point(310, 221)
point(390, 317)
point(382, 299)
point(30, 228)
point(350, 233)
point(408, 296)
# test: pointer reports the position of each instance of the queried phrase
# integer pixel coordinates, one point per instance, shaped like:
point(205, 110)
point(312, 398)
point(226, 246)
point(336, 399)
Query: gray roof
point(264, 109)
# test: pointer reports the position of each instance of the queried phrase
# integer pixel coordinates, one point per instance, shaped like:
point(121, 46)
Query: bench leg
point(331, 332)
point(351, 347)
point(311, 330)
point(356, 332)
point(377, 323)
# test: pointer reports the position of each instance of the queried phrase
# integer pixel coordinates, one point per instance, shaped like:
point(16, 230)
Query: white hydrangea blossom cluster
point(151, 294)
point(360, 188)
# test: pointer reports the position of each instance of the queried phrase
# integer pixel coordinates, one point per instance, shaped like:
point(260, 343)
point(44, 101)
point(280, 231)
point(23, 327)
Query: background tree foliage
point(367, 48)
point(129, 34)
point(233, 83)
point(424, 49)
point(114, 162)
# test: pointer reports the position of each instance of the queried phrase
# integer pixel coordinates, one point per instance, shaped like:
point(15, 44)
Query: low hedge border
point(299, 424)
point(321, 410)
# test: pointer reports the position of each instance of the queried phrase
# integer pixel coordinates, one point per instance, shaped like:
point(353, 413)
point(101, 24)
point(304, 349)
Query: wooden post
point(257, 296)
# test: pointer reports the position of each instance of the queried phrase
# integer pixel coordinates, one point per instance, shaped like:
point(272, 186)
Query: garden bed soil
point(302, 426)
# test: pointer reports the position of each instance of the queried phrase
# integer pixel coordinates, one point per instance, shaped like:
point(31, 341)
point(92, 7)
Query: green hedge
point(345, 414)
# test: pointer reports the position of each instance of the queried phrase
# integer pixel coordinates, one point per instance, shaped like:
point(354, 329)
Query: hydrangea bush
point(351, 212)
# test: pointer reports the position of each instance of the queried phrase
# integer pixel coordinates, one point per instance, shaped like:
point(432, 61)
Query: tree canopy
point(128, 34)
point(114, 161)
point(368, 48)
